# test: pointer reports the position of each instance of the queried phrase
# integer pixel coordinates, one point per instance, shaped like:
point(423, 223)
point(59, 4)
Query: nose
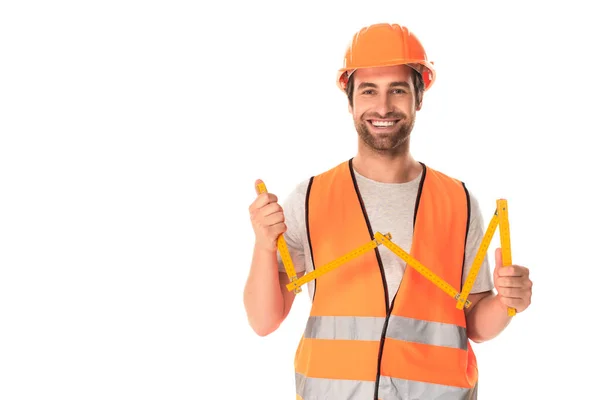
point(384, 104)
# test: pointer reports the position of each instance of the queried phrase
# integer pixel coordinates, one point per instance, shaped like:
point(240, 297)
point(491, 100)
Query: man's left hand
point(512, 284)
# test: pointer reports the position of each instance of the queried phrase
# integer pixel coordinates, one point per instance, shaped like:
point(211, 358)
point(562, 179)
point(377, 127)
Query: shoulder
point(294, 214)
point(476, 217)
point(294, 203)
point(298, 193)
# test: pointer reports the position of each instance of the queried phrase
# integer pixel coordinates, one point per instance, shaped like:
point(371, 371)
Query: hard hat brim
point(428, 66)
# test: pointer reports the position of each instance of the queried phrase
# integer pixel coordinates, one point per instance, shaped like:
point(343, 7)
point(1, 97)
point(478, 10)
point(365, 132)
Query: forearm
point(263, 298)
point(488, 318)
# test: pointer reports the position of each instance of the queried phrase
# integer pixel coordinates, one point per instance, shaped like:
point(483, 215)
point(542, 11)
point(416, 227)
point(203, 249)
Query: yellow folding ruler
point(386, 241)
point(317, 272)
point(283, 251)
point(426, 272)
point(500, 218)
point(380, 238)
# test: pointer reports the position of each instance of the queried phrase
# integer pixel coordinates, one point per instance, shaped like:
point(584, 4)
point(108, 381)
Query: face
point(384, 106)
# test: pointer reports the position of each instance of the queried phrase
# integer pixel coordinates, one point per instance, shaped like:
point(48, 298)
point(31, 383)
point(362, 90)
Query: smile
point(378, 123)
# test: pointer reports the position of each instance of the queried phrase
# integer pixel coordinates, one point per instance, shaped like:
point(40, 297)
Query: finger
point(278, 229)
point(498, 257)
point(498, 261)
point(260, 186)
point(273, 219)
point(269, 209)
point(510, 282)
point(512, 270)
point(513, 293)
point(262, 200)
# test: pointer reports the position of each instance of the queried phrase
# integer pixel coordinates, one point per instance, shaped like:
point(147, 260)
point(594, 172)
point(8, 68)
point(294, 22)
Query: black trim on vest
point(466, 232)
point(419, 193)
point(312, 260)
point(364, 211)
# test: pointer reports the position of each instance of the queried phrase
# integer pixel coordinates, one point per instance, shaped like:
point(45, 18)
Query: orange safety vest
point(354, 345)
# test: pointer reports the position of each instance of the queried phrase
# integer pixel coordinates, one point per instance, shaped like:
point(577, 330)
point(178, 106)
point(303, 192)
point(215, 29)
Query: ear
point(419, 102)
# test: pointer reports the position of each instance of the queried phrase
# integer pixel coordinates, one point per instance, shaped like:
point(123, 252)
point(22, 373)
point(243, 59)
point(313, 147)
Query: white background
point(131, 136)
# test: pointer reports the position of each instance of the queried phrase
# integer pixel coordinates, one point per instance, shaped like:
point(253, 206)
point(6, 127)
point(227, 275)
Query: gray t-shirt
point(390, 208)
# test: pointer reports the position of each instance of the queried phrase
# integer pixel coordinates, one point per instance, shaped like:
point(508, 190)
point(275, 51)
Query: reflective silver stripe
point(400, 389)
point(400, 328)
point(338, 389)
point(433, 333)
point(344, 328)
point(389, 389)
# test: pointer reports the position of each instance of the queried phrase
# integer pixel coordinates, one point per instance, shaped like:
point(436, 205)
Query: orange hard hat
point(382, 45)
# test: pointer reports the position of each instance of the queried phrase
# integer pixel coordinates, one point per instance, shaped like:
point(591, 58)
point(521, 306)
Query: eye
point(368, 91)
point(398, 91)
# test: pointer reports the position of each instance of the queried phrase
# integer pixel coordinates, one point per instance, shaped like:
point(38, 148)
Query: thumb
point(257, 184)
point(498, 259)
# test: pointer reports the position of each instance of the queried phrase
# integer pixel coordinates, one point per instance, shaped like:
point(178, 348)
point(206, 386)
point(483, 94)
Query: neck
point(391, 167)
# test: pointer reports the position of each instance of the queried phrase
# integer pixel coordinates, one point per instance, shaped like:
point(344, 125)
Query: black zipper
point(381, 270)
point(381, 343)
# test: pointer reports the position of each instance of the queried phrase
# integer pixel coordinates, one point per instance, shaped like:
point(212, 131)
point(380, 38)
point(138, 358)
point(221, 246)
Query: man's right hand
point(267, 220)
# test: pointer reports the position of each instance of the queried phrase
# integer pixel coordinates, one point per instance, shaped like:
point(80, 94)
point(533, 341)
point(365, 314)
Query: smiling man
point(384, 123)
point(377, 328)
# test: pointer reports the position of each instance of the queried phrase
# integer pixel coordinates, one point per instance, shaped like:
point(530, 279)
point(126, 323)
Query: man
point(377, 329)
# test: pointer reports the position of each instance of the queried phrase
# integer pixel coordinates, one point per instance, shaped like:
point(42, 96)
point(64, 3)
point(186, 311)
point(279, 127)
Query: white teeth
point(382, 123)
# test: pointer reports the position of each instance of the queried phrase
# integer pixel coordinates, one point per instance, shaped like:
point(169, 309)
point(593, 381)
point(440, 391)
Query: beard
point(387, 142)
